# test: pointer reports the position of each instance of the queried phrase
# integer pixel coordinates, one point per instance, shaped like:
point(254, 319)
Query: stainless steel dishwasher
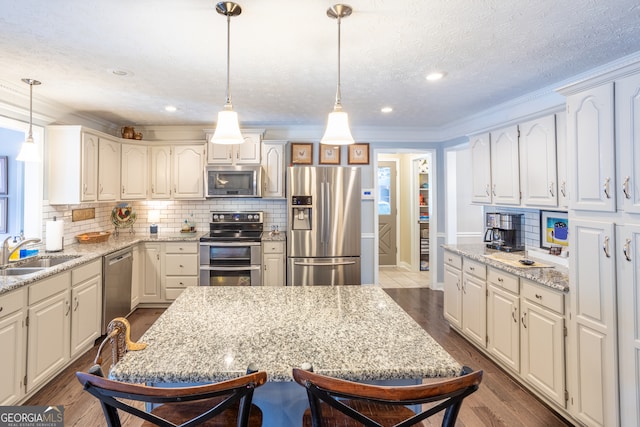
point(116, 289)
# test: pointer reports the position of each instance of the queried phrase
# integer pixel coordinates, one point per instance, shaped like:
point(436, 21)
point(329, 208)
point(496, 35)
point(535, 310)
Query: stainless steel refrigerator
point(324, 225)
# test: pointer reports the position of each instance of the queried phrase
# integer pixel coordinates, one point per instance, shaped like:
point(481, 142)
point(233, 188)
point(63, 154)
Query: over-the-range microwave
point(233, 181)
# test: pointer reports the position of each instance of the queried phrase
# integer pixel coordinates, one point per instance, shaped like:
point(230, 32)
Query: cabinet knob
point(625, 187)
point(626, 249)
point(563, 189)
point(552, 189)
point(606, 188)
point(538, 296)
point(605, 247)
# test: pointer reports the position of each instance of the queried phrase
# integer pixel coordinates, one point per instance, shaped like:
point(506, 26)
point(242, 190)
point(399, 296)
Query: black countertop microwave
point(233, 181)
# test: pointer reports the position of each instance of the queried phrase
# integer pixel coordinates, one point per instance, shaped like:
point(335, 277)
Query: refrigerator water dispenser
point(301, 215)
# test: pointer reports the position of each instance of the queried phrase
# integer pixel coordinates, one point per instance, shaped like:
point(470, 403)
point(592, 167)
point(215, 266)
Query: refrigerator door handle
point(323, 218)
point(323, 264)
point(327, 204)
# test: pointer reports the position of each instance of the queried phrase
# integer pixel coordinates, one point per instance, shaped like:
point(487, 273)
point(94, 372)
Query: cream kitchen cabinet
point(247, 153)
point(474, 301)
point(480, 146)
point(86, 306)
point(83, 165)
point(181, 268)
point(590, 136)
point(628, 279)
point(150, 289)
point(136, 274)
point(177, 172)
point(134, 172)
point(562, 160)
point(503, 314)
point(453, 289)
point(538, 174)
point(49, 326)
point(273, 165)
point(108, 169)
point(12, 346)
point(542, 340)
point(273, 263)
point(627, 116)
point(505, 170)
point(592, 345)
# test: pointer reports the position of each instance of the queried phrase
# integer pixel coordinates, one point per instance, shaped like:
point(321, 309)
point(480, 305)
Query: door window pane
point(384, 194)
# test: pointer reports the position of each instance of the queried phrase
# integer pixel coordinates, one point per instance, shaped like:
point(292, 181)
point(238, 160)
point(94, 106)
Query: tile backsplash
point(172, 214)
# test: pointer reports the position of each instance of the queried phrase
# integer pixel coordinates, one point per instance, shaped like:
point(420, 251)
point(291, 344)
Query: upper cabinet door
point(89, 168)
point(538, 162)
point(108, 169)
point(188, 171)
point(160, 166)
point(134, 172)
point(248, 153)
point(480, 168)
point(590, 139)
point(561, 160)
point(274, 167)
point(628, 142)
point(505, 170)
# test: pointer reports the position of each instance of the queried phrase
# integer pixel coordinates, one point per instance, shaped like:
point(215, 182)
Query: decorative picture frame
point(358, 154)
point(329, 154)
point(301, 153)
point(554, 229)
point(4, 175)
point(3, 214)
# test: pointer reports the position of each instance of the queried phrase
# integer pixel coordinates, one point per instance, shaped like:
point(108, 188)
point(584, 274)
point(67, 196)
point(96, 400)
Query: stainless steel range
point(231, 254)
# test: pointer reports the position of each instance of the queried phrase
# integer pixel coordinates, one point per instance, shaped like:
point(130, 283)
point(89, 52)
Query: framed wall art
point(301, 153)
point(359, 154)
point(329, 154)
point(4, 176)
point(3, 215)
point(554, 229)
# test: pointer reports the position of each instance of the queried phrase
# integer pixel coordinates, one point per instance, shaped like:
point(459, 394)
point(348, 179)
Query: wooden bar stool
point(337, 402)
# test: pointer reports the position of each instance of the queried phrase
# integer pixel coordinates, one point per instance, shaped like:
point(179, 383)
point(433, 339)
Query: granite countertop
point(556, 277)
point(213, 333)
point(86, 253)
point(274, 237)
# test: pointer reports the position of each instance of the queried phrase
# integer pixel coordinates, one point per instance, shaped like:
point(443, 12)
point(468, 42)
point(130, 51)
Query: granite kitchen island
point(213, 333)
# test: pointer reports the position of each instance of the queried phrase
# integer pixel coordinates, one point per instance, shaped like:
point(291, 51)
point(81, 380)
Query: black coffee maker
point(504, 231)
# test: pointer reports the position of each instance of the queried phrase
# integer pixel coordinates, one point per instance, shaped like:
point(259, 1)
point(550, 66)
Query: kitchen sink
point(47, 262)
point(20, 271)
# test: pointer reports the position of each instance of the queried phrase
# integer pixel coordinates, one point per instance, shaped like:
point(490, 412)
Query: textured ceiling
point(284, 56)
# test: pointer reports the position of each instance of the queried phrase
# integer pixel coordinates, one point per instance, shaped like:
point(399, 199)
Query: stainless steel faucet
point(5, 253)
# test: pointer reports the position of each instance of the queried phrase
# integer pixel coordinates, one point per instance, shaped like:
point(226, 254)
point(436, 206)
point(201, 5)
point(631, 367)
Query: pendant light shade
point(337, 131)
point(227, 127)
point(29, 151)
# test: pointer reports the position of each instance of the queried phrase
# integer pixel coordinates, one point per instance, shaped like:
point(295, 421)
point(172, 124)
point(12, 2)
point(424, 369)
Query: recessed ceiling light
point(171, 108)
point(437, 75)
point(386, 109)
point(119, 72)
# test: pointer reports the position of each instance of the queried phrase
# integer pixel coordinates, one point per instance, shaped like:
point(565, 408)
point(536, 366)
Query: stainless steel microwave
point(233, 181)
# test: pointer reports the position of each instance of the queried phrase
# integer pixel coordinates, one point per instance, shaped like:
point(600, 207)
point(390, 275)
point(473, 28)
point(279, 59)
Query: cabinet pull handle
point(626, 249)
point(464, 288)
point(514, 316)
point(1, 308)
point(181, 266)
point(524, 315)
point(77, 303)
point(68, 308)
point(625, 187)
point(101, 188)
point(494, 190)
point(605, 247)
point(605, 187)
point(563, 188)
point(457, 285)
point(500, 279)
point(551, 190)
point(538, 296)
point(486, 189)
point(472, 269)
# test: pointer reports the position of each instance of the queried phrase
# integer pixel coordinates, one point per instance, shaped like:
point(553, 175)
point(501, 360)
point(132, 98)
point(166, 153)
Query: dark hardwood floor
point(499, 402)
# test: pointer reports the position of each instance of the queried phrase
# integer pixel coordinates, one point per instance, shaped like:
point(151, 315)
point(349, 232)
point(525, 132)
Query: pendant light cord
point(338, 104)
point(228, 100)
point(30, 137)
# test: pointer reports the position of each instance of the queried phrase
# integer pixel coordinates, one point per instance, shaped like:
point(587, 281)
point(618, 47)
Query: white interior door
point(387, 214)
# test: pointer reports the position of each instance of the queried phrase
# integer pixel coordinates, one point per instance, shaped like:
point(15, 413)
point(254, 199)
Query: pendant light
point(227, 127)
point(29, 151)
point(337, 132)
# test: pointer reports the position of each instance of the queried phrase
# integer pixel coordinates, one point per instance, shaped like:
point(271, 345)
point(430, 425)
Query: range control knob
point(215, 217)
point(221, 217)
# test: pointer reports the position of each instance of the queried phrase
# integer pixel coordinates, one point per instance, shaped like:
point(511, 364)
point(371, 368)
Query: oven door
point(230, 263)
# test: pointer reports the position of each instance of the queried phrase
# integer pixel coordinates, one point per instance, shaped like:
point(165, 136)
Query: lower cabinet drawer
point(181, 265)
point(173, 293)
point(454, 260)
point(181, 282)
point(546, 297)
point(474, 268)
point(504, 280)
point(273, 247)
point(11, 302)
